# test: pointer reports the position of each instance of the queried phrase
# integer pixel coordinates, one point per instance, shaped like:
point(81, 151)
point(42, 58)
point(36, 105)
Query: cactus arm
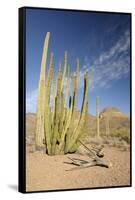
point(62, 140)
point(64, 72)
point(53, 96)
point(44, 56)
point(82, 117)
point(67, 121)
point(67, 86)
point(39, 133)
point(47, 107)
point(55, 132)
point(76, 86)
point(57, 111)
point(49, 80)
point(53, 106)
point(62, 115)
point(64, 103)
point(73, 125)
point(83, 133)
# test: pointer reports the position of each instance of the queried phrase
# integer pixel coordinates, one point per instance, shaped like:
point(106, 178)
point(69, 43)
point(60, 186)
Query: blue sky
point(100, 40)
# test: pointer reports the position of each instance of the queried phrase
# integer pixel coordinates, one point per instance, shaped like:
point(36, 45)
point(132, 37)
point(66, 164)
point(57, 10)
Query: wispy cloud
point(111, 65)
point(31, 101)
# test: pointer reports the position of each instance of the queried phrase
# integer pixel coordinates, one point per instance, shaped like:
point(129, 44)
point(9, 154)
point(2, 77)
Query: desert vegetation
point(61, 139)
point(58, 128)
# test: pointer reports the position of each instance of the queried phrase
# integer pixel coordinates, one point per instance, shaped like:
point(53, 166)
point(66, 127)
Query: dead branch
point(94, 156)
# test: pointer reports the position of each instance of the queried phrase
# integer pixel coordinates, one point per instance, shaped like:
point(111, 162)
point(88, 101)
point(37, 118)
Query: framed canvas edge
point(21, 92)
point(22, 100)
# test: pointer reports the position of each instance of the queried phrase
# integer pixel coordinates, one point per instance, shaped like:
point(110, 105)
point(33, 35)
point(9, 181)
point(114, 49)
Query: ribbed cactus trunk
point(48, 132)
point(97, 116)
point(78, 132)
point(40, 132)
point(59, 125)
point(56, 133)
point(73, 116)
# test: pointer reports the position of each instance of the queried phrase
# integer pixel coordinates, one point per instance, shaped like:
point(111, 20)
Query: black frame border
point(22, 99)
point(22, 102)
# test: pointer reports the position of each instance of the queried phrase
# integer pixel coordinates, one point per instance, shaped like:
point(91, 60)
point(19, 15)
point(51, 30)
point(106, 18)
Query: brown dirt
point(45, 172)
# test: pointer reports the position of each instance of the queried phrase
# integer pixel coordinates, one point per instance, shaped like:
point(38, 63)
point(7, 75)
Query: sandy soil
point(49, 172)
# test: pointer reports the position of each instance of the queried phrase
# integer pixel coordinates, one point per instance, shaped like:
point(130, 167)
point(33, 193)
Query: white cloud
point(31, 101)
point(110, 65)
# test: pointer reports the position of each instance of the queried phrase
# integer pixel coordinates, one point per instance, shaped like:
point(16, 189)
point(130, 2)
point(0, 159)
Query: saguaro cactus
point(56, 121)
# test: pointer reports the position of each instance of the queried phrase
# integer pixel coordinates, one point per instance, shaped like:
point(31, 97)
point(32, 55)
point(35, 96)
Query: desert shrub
point(122, 133)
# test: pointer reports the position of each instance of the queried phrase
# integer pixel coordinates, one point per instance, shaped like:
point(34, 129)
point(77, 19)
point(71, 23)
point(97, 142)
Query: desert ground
point(45, 172)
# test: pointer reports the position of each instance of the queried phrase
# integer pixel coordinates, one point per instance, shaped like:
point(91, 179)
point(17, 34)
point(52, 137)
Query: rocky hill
point(118, 123)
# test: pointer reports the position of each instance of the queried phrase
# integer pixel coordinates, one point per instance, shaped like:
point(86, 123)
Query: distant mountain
point(112, 112)
point(110, 109)
point(30, 123)
point(117, 120)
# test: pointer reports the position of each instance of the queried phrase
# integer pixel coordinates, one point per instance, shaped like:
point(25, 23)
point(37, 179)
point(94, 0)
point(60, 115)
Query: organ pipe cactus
point(78, 129)
point(59, 125)
point(39, 139)
point(48, 131)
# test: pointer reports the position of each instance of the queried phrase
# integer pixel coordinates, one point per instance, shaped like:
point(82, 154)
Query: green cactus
point(83, 132)
point(64, 72)
point(53, 105)
point(61, 119)
point(63, 108)
point(56, 134)
point(48, 132)
point(78, 128)
point(57, 123)
point(40, 134)
point(76, 86)
point(67, 87)
point(67, 121)
point(73, 117)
